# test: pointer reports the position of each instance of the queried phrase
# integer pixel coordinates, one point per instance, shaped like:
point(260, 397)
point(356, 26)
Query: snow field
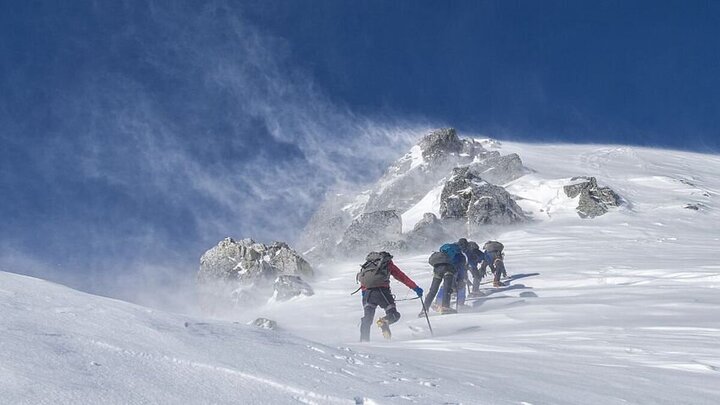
point(615, 310)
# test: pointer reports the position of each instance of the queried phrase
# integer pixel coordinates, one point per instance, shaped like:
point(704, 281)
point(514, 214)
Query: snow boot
point(447, 310)
point(382, 323)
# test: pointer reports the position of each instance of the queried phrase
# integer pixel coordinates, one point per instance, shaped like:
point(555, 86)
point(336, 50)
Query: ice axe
point(427, 318)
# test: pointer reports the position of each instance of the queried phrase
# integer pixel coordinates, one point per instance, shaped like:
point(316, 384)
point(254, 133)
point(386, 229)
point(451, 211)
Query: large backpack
point(454, 253)
point(374, 272)
point(493, 246)
point(437, 258)
point(473, 246)
point(474, 253)
point(451, 249)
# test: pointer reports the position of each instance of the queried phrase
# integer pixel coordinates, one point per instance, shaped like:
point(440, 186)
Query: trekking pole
point(422, 301)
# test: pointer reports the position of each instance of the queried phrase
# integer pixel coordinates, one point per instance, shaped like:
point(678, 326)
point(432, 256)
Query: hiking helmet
point(463, 243)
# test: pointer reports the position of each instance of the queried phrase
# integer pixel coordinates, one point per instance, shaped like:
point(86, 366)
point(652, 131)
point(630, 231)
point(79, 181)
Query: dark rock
point(594, 200)
point(264, 323)
point(500, 169)
point(468, 197)
point(287, 287)
point(476, 151)
point(694, 206)
point(440, 143)
point(286, 260)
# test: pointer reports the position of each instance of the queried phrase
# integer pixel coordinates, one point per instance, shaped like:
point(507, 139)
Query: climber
point(374, 279)
point(443, 272)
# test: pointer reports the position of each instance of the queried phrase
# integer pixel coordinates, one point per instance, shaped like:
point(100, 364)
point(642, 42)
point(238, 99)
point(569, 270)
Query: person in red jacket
point(374, 278)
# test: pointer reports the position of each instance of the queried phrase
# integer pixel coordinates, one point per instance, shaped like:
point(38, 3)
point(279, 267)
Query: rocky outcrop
point(235, 274)
point(347, 225)
point(500, 169)
point(410, 178)
point(594, 200)
point(287, 287)
point(287, 261)
point(235, 261)
point(427, 232)
point(378, 230)
point(440, 144)
point(467, 197)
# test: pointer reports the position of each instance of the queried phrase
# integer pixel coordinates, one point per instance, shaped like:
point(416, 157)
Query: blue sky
point(621, 71)
point(134, 135)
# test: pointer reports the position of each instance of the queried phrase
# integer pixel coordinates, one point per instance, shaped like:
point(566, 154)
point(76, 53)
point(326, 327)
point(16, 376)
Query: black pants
point(371, 299)
point(484, 265)
point(444, 275)
point(499, 270)
point(477, 277)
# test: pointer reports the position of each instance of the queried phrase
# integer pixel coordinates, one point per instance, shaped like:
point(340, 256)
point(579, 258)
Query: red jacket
point(399, 276)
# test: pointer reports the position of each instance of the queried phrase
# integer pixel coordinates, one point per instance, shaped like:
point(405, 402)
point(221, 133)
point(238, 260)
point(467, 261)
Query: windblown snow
point(430, 203)
point(618, 309)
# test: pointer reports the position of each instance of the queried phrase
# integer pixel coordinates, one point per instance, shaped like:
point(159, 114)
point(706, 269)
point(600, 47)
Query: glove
point(418, 291)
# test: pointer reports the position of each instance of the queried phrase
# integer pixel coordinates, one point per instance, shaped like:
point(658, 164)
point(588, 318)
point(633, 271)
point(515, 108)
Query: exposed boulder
point(235, 261)
point(467, 197)
point(264, 323)
point(500, 169)
point(378, 230)
point(594, 201)
point(440, 144)
point(283, 258)
point(429, 231)
point(287, 286)
point(476, 151)
point(235, 274)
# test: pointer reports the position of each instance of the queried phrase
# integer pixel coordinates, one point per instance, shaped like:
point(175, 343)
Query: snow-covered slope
point(622, 308)
point(618, 309)
point(60, 346)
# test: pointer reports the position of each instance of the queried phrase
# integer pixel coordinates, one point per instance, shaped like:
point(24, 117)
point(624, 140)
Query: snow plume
point(182, 124)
